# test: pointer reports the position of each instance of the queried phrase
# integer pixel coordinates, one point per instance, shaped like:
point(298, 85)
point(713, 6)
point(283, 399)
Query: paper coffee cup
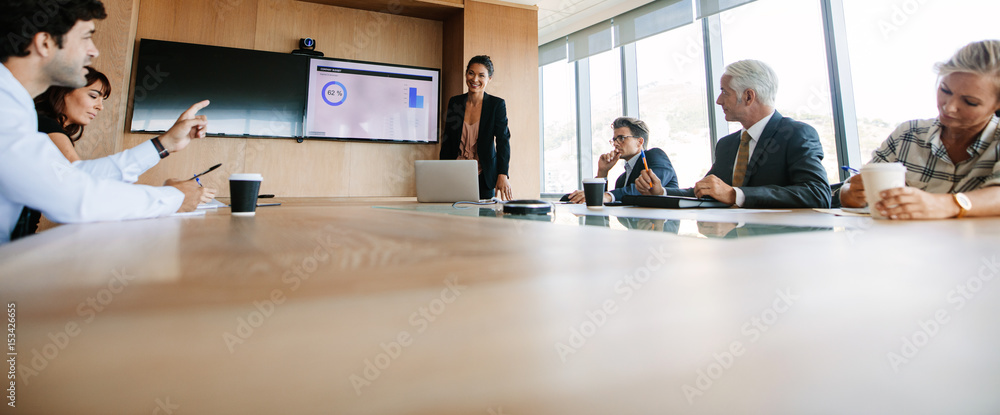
point(879, 177)
point(593, 191)
point(244, 188)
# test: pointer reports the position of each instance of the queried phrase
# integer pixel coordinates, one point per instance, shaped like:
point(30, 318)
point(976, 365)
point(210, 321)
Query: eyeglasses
point(620, 138)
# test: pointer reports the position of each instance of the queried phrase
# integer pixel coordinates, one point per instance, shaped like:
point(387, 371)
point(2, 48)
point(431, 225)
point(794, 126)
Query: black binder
point(673, 202)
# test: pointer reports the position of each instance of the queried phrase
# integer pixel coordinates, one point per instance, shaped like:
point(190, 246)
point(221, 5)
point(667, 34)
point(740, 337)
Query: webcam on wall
point(307, 47)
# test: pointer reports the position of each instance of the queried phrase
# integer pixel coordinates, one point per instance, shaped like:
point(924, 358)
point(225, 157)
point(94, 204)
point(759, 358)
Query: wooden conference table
point(323, 306)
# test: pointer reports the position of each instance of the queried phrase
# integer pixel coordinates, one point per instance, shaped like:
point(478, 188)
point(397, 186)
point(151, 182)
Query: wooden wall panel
point(104, 136)
point(309, 168)
point(218, 22)
point(514, 51)
point(338, 168)
point(453, 71)
point(228, 23)
point(333, 168)
point(434, 9)
point(386, 170)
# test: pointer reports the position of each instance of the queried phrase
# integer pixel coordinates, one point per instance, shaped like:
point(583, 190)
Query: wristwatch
point(964, 204)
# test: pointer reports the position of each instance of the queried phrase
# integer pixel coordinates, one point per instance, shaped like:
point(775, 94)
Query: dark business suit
point(784, 171)
point(658, 162)
point(493, 142)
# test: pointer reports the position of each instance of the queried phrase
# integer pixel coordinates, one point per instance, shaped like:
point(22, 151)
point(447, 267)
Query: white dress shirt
point(755, 132)
point(34, 173)
point(629, 165)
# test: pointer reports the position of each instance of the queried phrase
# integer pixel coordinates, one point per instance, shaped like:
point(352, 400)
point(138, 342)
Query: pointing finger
point(190, 113)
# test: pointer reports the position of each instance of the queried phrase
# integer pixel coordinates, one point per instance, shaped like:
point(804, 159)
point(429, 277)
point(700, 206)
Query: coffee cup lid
point(596, 180)
point(883, 167)
point(246, 177)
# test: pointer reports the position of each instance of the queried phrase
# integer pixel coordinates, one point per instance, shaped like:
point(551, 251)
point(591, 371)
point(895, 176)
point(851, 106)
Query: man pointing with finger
point(33, 172)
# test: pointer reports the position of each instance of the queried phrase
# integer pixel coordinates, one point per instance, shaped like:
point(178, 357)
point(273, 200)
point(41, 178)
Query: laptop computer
point(447, 181)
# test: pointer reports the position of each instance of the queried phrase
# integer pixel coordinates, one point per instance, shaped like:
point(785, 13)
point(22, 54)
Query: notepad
point(193, 213)
point(213, 204)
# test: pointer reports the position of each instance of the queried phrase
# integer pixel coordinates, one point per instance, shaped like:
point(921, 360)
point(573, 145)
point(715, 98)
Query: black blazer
point(494, 136)
point(658, 162)
point(785, 169)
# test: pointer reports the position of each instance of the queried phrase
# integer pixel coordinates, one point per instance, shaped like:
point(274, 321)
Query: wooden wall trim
point(514, 51)
point(507, 4)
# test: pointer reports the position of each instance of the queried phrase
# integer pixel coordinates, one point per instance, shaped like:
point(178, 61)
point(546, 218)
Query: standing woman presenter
point(475, 128)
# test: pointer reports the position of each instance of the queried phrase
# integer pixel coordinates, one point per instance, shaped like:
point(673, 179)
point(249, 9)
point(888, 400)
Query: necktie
point(742, 159)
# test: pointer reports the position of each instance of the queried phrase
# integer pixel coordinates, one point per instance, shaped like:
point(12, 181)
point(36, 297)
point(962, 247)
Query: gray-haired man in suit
point(773, 162)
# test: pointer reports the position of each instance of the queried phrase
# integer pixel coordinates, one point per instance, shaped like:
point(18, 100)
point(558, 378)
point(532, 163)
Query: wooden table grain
point(333, 306)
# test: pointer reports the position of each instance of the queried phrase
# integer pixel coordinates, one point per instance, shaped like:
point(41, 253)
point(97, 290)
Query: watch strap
point(159, 147)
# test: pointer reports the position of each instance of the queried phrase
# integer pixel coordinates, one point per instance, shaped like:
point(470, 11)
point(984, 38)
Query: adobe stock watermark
point(87, 310)
point(279, 123)
point(419, 320)
point(363, 38)
point(900, 14)
point(863, 225)
point(751, 330)
point(958, 298)
point(694, 49)
point(292, 278)
point(32, 24)
point(625, 288)
point(346, 249)
point(11, 356)
point(817, 101)
point(164, 406)
point(224, 7)
point(148, 80)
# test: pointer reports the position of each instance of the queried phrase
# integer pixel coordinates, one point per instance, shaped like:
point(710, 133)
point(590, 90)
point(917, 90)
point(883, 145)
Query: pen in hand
point(646, 165)
point(850, 170)
point(195, 178)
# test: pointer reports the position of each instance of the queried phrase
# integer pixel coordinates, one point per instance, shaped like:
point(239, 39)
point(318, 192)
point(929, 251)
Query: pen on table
point(645, 164)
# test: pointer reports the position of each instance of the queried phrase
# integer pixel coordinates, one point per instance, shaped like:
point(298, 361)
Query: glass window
point(788, 36)
point(894, 45)
point(673, 99)
point(605, 105)
point(560, 167)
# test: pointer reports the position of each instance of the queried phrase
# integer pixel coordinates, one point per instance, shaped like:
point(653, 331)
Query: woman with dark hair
point(475, 128)
point(63, 113)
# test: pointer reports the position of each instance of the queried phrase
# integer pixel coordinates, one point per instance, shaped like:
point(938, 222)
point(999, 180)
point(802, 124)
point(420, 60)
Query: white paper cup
point(593, 191)
point(879, 177)
point(244, 188)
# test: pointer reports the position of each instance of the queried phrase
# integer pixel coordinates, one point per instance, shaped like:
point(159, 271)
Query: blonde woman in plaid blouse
point(953, 161)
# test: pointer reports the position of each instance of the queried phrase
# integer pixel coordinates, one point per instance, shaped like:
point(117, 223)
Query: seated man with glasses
point(630, 137)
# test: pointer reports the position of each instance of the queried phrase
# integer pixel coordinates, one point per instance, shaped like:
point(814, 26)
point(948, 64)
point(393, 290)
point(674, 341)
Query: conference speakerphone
point(527, 207)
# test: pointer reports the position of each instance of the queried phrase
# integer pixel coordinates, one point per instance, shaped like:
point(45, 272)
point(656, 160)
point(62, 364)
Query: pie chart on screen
point(334, 93)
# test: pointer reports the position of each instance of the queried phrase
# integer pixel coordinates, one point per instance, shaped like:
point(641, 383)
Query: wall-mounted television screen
point(268, 94)
point(253, 93)
point(369, 101)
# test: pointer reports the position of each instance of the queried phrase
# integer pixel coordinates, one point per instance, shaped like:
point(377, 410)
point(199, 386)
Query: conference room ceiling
point(557, 18)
